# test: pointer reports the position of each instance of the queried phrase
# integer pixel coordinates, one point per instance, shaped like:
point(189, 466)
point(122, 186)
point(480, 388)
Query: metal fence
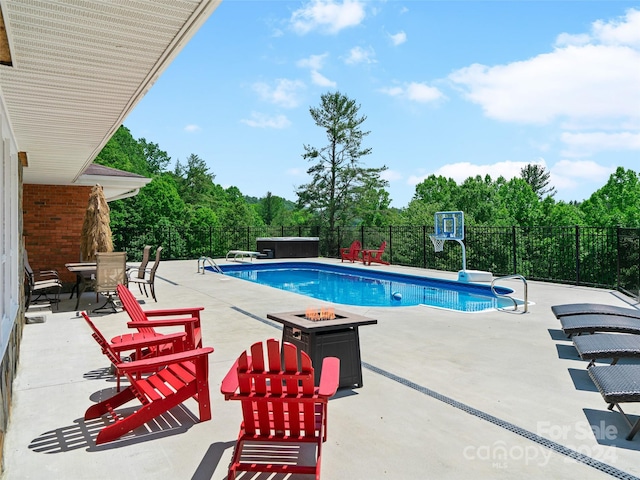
point(592, 256)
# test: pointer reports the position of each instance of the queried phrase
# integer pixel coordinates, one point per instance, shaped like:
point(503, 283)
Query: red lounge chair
point(374, 256)
point(187, 318)
point(176, 378)
point(284, 414)
point(351, 253)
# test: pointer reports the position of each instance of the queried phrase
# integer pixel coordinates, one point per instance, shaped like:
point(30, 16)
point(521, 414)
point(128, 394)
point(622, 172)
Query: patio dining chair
point(111, 271)
point(141, 271)
point(150, 280)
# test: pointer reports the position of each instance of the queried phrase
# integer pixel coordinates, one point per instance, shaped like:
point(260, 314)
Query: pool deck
point(446, 395)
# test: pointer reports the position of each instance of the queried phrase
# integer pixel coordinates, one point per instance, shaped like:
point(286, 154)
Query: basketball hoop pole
point(464, 254)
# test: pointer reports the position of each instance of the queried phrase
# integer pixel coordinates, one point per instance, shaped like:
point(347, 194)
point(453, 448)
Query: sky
point(456, 88)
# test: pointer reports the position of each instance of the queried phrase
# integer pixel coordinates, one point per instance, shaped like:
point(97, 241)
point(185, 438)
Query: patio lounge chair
point(188, 319)
point(176, 378)
point(352, 252)
point(607, 345)
point(592, 323)
point(619, 384)
point(374, 256)
point(593, 308)
point(284, 414)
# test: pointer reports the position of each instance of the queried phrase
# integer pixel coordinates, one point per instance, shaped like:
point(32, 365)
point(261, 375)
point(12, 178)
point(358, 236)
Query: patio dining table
point(85, 272)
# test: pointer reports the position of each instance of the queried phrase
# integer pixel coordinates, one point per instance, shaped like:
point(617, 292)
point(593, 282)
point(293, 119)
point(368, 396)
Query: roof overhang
point(79, 68)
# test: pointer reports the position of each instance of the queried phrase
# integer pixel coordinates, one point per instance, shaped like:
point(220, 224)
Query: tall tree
point(337, 175)
point(195, 180)
point(538, 179)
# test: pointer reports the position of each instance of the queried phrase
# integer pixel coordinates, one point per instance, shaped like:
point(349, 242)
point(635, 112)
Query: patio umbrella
point(96, 232)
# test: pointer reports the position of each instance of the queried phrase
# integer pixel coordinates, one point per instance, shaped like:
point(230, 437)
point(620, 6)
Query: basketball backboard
point(449, 225)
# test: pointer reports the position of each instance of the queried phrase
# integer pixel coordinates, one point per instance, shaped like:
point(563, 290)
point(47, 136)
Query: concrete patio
point(446, 395)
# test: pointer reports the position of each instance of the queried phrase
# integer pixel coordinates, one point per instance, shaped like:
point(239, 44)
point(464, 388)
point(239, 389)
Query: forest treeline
point(183, 193)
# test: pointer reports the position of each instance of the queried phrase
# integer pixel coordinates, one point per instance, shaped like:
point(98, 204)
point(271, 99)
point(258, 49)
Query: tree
point(195, 181)
point(616, 203)
point(538, 179)
point(337, 176)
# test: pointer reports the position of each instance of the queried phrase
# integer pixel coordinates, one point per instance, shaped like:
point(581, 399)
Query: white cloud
point(588, 78)
point(327, 16)
point(414, 91)
point(391, 175)
point(591, 82)
point(318, 79)
point(463, 170)
point(625, 31)
point(284, 93)
point(296, 172)
point(398, 38)
point(584, 169)
point(314, 62)
point(580, 144)
point(571, 177)
point(260, 120)
point(360, 55)
point(192, 128)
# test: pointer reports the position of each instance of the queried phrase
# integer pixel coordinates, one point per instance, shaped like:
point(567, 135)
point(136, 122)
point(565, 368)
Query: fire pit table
point(326, 337)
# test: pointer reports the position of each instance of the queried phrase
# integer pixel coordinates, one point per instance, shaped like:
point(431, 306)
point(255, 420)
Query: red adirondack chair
point(176, 378)
point(374, 256)
point(186, 318)
point(281, 409)
point(352, 252)
point(143, 347)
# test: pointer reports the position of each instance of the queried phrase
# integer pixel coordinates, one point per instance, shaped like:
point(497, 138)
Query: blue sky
point(454, 88)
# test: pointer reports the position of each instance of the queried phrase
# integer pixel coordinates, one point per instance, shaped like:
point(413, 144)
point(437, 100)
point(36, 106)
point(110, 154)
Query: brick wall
point(53, 217)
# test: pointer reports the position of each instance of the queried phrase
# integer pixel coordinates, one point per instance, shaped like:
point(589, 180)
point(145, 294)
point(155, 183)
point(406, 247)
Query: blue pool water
point(371, 288)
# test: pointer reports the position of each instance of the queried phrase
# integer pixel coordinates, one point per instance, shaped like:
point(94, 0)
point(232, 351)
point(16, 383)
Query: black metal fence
point(592, 256)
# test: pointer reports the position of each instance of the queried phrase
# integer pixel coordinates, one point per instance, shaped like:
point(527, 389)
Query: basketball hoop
point(438, 242)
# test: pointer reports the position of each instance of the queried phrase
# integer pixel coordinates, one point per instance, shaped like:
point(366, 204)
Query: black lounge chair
point(619, 384)
point(593, 308)
point(607, 345)
point(592, 323)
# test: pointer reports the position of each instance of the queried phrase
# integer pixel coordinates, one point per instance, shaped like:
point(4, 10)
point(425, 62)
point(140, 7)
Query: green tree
point(538, 179)
point(195, 181)
point(438, 191)
point(616, 203)
point(337, 175)
point(270, 207)
point(123, 152)
point(157, 159)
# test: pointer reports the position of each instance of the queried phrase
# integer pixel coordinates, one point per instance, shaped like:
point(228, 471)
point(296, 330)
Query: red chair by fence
point(374, 256)
point(352, 252)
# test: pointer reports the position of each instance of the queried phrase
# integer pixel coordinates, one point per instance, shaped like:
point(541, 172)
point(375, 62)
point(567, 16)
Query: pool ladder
point(211, 262)
point(515, 303)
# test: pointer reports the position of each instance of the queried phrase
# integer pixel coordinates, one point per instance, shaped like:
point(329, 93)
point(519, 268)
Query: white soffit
point(79, 67)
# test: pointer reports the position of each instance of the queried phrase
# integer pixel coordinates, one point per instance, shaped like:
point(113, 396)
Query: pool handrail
point(201, 263)
point(515, 303)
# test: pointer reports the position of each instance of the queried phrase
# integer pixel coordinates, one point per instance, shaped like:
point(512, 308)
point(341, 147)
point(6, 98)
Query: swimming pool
point(370, 288)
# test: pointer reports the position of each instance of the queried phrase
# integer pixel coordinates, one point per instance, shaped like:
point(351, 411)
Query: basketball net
point(438, 242)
